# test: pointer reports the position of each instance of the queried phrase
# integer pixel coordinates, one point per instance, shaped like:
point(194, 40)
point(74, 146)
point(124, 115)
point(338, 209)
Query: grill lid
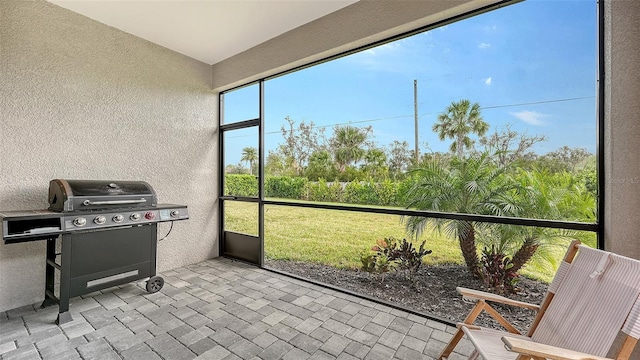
point(81, 195)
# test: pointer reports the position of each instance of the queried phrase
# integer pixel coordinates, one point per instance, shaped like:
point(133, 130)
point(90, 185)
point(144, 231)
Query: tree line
point(351, 154)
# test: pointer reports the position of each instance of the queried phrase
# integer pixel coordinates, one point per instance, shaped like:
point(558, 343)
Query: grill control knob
point(135, 217)
point(175, 213)
point(79, 221)
point(100, 220)
point(149, 215)
point(118, 218)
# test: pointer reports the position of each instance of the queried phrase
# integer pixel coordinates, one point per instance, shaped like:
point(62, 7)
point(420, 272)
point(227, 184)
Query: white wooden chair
point(594, 295)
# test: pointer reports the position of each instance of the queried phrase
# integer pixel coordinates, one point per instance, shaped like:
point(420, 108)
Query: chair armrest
point(481, 295)
point(531, 348)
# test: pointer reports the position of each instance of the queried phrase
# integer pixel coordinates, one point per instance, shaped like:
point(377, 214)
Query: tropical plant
point(497, 271)
point(348, 144)
point(389, 254)
point(250, 155)
point(378, 262)
point(375, 164)
point(473, 186)
point(559, 196)
point(459, 121)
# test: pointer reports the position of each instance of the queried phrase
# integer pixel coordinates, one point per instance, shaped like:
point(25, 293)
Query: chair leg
point(627, 348)
point(477, 309)
point(451, 345)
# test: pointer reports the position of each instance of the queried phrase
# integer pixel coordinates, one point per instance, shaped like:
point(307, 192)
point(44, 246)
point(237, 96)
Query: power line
point(538, 102)
point(411, 116)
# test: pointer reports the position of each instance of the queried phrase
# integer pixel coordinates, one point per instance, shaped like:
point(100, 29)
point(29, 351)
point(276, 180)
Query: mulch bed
point(432, 291)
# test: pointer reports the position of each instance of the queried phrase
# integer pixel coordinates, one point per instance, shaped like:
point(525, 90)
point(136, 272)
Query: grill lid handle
point(113, 202)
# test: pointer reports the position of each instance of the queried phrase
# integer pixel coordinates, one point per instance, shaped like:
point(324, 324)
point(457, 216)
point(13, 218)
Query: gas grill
point(107, 233)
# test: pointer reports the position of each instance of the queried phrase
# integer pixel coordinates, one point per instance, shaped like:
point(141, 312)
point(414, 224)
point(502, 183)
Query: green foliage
point(399, 159)
point(285, 187)
point(348, 144)
point(387, 193)
point(360, 192)
point(377, 264)
point(320, 166)
point(459, 121)
point(564, 159)
point(250, 155)
point(240, 185)
point(323, 191)
point(278, 165)
point(473, 185)
point(350, 173)
point(389, 255)
point(496, 271)
point(299, 143)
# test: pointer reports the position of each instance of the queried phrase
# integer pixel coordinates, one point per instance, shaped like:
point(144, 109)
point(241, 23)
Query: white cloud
point(385, 48)
point(484, 45)
point(380, 58)
point(530, 117)
point(488, 81)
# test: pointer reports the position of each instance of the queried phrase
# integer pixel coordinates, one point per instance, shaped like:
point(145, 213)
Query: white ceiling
point(207, 30)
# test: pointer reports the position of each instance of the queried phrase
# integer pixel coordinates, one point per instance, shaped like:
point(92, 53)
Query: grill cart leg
point(51, 266)
point(64, 315)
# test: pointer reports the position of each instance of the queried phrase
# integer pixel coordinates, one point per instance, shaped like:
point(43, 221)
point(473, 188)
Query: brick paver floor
point(222, 309)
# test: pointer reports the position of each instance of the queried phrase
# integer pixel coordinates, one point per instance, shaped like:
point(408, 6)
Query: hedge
point(386, 193)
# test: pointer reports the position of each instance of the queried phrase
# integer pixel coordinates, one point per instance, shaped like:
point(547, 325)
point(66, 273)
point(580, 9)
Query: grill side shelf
point(20, 226)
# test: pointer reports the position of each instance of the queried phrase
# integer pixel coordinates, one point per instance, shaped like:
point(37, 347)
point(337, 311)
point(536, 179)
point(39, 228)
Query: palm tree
point(461, 119)
point(472, 186)
point(375, 164)
point(550, 196)
point(250, 155)
point(348, 144)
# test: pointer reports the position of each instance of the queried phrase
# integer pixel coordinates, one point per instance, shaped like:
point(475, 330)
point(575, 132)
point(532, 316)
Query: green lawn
point(338, 238)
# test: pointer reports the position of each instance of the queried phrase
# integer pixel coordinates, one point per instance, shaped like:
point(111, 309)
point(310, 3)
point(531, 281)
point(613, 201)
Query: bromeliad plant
point(389, 254)
point(497, 271)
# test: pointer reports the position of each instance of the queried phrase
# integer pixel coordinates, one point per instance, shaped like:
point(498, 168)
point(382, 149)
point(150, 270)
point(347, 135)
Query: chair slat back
point(591, 303)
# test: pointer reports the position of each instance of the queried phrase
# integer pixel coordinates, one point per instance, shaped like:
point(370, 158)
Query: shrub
point(387, 193)
point(240, 185)
point(285, 187)
point(322, 191)
point(360, 192)
point(378, 262)
point(403, 256)
point(496, 271)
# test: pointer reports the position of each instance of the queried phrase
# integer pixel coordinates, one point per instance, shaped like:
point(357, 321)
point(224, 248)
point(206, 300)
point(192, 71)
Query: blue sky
point(531, 65)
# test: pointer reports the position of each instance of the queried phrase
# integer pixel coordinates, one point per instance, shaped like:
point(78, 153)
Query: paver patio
point(222, 309)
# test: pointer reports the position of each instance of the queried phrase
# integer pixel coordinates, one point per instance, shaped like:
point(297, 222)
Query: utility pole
point(415, 115)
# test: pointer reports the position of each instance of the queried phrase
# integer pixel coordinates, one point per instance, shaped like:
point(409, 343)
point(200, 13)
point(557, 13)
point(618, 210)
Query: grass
point(339, 238)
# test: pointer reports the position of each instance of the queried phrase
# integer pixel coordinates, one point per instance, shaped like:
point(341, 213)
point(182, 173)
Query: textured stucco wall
point(81, 100)
point(622, 130)
point(359, 24)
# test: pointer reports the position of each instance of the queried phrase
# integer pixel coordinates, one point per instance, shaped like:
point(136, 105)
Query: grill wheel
point(154, 284)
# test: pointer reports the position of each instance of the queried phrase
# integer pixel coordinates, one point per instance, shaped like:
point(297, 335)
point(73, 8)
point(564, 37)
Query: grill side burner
point(107, 231)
